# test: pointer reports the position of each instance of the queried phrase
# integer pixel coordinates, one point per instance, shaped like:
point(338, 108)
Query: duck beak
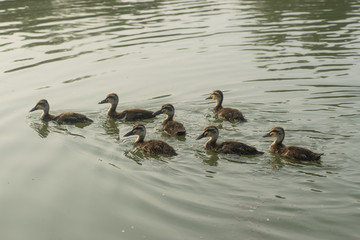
point(34, 109)
point(201, 136)
point(267, 135)
point(103, 101)
point(129, 133)
point(208, 98)
point(157, 112)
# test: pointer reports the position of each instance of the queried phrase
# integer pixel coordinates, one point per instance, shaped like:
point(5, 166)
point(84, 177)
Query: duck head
point(210, 131)
point(139, 130)
point(278, 133)
point(111, 98)
point(167, 109)
point(42, 104)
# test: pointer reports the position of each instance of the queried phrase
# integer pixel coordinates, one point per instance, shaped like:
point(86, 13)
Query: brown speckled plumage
point(229, 114)
point(151, 146)
point(126, 115)
point(230, 147)
point(171, 126)
point(290, 152)
point(62, 118)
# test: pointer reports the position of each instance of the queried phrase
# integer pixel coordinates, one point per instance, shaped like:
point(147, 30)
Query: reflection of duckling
point(111, 128)
point(41, 128)
point(225, 147)
point(170, 126)
point(62, 118)
point(229, 114)
point(128, 114)
point(291, 152)
point(151, 146)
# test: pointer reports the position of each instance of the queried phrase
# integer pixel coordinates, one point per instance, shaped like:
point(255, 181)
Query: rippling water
point(290, 63)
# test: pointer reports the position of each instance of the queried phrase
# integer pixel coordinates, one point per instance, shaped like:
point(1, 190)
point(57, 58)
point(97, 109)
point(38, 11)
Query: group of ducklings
point(174, 128)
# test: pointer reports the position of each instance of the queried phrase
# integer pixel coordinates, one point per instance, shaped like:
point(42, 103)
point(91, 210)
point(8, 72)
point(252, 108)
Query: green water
point(294, 64)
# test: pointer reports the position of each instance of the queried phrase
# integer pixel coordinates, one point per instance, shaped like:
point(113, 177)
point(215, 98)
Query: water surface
point(288, 63)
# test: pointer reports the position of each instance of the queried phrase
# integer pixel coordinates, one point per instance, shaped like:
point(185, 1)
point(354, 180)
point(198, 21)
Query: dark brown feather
point(71, 118)
point(126, 115)
point(236, 148)
point(62, 118)
point(230, 114)
point(174, 128)
point(230, 147)
point(290, 152)
point(156, 147)
point(136, 114)
point(152, 146)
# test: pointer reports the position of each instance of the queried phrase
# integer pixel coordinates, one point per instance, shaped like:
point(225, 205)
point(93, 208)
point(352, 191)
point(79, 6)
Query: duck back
point(295, 153)
point(136, 114)
point(299, 153)
point(174, 128)
point(70, 118)
point(237, 148)
point(157, 147)
point(231, 114)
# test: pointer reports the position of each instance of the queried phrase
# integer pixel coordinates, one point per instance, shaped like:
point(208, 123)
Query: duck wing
point(158, 147)
point(231, 114)
point(136, 114)
point(302, 154)
point(237, 148)
point(174, 128)
point(70, 117)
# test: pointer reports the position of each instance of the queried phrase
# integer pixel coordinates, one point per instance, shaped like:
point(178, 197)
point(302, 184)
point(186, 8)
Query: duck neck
point(168, 118)
point(218, 105)
point(279, 139)
point(46, 116)
point(277, 146)
point(112, 109)
point(211, 143)
point(139, 139)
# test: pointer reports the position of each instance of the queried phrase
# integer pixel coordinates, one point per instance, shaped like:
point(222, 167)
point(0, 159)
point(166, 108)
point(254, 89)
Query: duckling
point(151, 146)
point(229, 114)
point(62, 118)
point(170, 126)
point(225, 147)
point(291, 152)
point(126, 115)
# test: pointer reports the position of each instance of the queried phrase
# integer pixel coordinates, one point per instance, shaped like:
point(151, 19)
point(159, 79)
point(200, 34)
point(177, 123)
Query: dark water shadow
point(278, 162)
point(208, 157)
point(181, 138)
point(212, 158)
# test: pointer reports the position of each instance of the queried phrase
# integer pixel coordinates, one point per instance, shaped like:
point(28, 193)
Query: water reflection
point(138, 156)
point(275, 162)
point(111, 128)
point(290, 35)
point(59, 25)
point(208, 158)
point(43, 128)
point(181, 138)
point(211, 158)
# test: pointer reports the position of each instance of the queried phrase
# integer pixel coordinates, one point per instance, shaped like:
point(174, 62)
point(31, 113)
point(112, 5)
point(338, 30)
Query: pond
point(294, 64)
